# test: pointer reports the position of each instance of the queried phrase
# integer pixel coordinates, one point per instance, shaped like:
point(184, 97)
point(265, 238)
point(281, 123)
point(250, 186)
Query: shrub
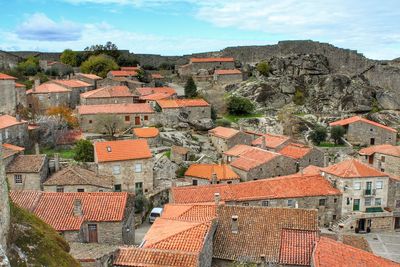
point(223, 123)
point(180, 172)
point(239, 105)
point(84, 151)
point(141, 202)
point(337, 133)
point(318, 135)
point(190, 88)
point(213, 113)
point(263, 68)
point(29, 67)
point(99, 65)
point(127, 60)
point(298, 97)
point(69, 57)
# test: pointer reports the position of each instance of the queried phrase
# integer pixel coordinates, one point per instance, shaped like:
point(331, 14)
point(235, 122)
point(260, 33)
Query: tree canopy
point(109, 49)
point(127, 60)
point(318, 135)
point(69, 57)
point(337, 132)
point(190, 88)
point(237, 105)
point(29, 67)
point(99, 65)
point(84, 151)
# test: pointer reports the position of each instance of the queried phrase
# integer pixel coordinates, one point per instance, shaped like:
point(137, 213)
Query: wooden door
point(92, 231)
point(372, 141)
point(137, 120)
point(371, 159)
point(397, 223)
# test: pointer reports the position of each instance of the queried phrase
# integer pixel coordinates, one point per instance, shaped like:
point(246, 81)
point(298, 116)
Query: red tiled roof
point(360, 119)
point(26, 199)
point(8, 121)
point(178, 103)
point(155, 97)
point(223, 132)
point(353, 168)
point(123, 73)
point(311, 169)
point(146, 132)
point(20, 85)
point(238, 150)
point(190, 212)
point(49, 87)
point(157, 76)
point(295, 151)
point(385, 149)
point(108, 92)
point(252, 158)
point(90, 76)
point(212, 59)
point(72, 83)
point(271, 140)
point(153, 90)
point(122, 150)
point(205, 171)
point(329, 253)
point(131, 108)
point(292, 186)
point(130, 68)
point(10, 150)
point(6, 77)
point(227, 72)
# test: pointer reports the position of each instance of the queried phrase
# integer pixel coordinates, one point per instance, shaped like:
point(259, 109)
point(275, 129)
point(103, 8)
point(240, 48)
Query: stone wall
point(228, 78)
point(314, 157)
point(361, 133)
point(394, 196)
point(30, 181)
point(8, 97)
point(206, 253)
point(382, 162)
point(4, 204)
point(106, 100)
point(42, 102)
point(8, 60)
point(74, 188)
point(75, 94)
point(16, 135)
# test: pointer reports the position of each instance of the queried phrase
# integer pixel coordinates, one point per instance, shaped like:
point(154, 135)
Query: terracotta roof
point(146, 132)
point(122, 150)
point(123, 73)
point(90, 252)
point(180, 150)
point(271, 140)
point(260, 233)
point(295, 151)
point(107, 92)
point(130, 68)
point(10, 150)
point(6, 77)
point(383, 149)
point(75, 175)
point(212, 59)
point(157, 76)
point(353, 168)
point(90, 76)
point(131, 108)
point(292, 186)
point(20, 85)
point(227, 72)
point(155, 93)
point(205, 171)
point(253, 158)
point(238, 150)
point(26, 164)
point(190, 212)
point(312, 169)
point(329, 253)
point(360, 119)
point(155, 258)
point(178, 103)
point(49, 87)
point(72, 83)
point(155, 97)
point(56, 209)
point(8, 121)
point(223, 132)
point(26, 199)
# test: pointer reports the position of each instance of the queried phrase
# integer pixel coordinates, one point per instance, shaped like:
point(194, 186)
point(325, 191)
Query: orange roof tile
point(146, 132)
point(6, 77)
point(72, 83)
point(205, 171)
point(89, 76)
point(10, 150)
point(271, 140)
point(311, 169)
point(353, 168)
point(130, 68)
point(122, 150)
point(154, 90)
point(155, 97)
point(223, 132)
point(20, 85)
point(131, 108)
point(252, 158)
point(360, 119)
point(157, 76)
point(295, 151)
point(227, 72)
point(123, 73)
point(383, 149)
point(178, 103)
point(329, 253)
point(108, 92)
point(49, 87)
point(8, 121)
point(238, 150)
point(26, 199)
point(212, 59)
point(190, 212)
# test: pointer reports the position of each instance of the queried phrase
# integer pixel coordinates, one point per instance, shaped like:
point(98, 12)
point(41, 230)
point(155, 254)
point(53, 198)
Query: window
point(60, 189)
point(382, 170)
point(18, 179)
point(379, 184)
point(333, 217)
point(357, 185)
point(81, 190)
point(398, 203)
point(245, 203)
point(117, 188)
point(322, 202)
point(368, 201)
point(194, 182)
point(139, 185)
point(378, 202)
point(290, 202)
point(90, 121)
point(383, 159)
point(138, 167)
point(265, 203)
point(116, 169)
point(229, 182)
point(101, 190)
point(335, 200)
point(146, 118)
point(127, 118)
point(348, 201)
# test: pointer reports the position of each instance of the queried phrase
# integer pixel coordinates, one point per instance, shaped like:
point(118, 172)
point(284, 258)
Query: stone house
point(203, 174)
point(78, 179)
point(91, 79)
point(27, 172)
point(120, 81)
point(224, 138)
point(88, 217)
point(268, 141)
point(394, 200)
point(303, 155)
point(151, 134)
point(228, 76)
point(188, 110)
point(44, 96)
point(21, 100)
point(13, 130)
point(152, 94)
point(129, 74)
point(77, 87)
point(179, 154)
point(364, 195)
point(107, 95)
point(132, 115)
point(364, 132)
point(129, 161)
point(10, 152)
point(209, 64)
point(8, 97)
point(253, 163)
point(385, 158)
point(60, 67)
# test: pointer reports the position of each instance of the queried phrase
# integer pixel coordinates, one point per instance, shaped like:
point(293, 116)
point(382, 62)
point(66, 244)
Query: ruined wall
point(4, 204)
point(8, 97)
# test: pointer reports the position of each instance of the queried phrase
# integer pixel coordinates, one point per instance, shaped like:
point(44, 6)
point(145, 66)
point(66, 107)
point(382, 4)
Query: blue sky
point(176, 27)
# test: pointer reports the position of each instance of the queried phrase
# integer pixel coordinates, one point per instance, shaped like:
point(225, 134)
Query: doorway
point(92, 230)
point(396, 223)
point(137, 120)
point(372, 141)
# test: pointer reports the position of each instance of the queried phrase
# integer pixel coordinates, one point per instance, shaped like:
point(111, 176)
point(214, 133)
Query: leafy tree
point(213, 113)
point(64, 114)
point(109, 49)
point(127, 60)
point(141, 202)
point(29, 67)
point(84, 151)
point(143, 76)
point(263, 68)
point(237, 105)
point(166, 66)
point(318, 135)
point(190, 88)
point(99, 65)
point(69, 57)
point(81, 57)
point(109, 124)
point(337, 133)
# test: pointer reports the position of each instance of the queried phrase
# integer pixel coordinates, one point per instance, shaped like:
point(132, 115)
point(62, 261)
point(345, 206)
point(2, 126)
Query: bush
point(180, 172)
point(337, 133)
point(99, 65)
point(69, 57)
point(127, 60)
point(190, 88)
point(263, 68)
point(84, 151)
point(223, 123)
point(318, 135)
point(29, 67)
point(141, 202)
point(239, 105)
point(298, 97)
point(213, 113)
point(167, 66)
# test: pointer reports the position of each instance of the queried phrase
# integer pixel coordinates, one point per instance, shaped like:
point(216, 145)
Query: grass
point(167, 154)
point(329, 144)
point(64, 153)
point(236, 118)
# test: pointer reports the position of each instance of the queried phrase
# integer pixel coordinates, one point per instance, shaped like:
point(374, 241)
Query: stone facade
point(21, 96)
point(29, 180)
point(205, 257)
point(76, 188)
point(201, 181)
point(8, 99)
point(106, 100)
point(16, 134)
point(366, 134)
point(314, 157)
point(394, 201)
point(40, 102)
point(196, 66)
point(224, 144)
point(4, 204)
point(383, 162)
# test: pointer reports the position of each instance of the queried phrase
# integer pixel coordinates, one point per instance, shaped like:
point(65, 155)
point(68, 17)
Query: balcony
point(369, 192)
point(373, 209)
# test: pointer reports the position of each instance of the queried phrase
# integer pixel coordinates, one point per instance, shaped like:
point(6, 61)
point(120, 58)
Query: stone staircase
point(342, 221)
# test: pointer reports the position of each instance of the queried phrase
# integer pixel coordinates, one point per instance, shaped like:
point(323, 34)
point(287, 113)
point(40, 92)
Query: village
point(158, 176)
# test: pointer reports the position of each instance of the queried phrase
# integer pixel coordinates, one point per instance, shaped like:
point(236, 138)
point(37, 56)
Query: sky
point(177, 27)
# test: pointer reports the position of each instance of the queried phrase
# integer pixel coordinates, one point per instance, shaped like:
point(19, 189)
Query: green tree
point(263, 68)
point(237, 105)
point(141, 202)
point(69, 57)
point(84, 151)
point(109, 49)
point(190, 88)
point(127, 60)
point(337, 133)
point(99, 65)
point(29, 67)
point(318, 135)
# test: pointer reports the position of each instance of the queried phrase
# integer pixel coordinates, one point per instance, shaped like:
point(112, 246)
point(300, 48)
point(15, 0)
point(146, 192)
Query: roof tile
point(179, 103)
point(108, 92)
point(146, 132)
point(353, 168)
point(223, 132)
point(205, 171)
point(360, 119)
point(133, 108)
point(122, 150)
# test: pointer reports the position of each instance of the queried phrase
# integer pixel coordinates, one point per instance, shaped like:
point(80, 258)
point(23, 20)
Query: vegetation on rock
point(237, 105)
point(190, 88)
point(127, 60)
point(263, 68)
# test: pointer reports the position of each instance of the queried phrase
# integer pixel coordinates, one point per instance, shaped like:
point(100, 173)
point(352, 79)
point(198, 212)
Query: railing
point(369, 192)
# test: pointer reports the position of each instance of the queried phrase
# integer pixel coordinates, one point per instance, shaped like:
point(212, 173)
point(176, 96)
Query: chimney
point(216, 198)
point(326, 159)
point(56, 162)
point(214, 178)
point(78, 208)
point(234, 224)
point(18, 117)
point(37, 149)
point(263, 260)
point(36, 85)
point(263, 142)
